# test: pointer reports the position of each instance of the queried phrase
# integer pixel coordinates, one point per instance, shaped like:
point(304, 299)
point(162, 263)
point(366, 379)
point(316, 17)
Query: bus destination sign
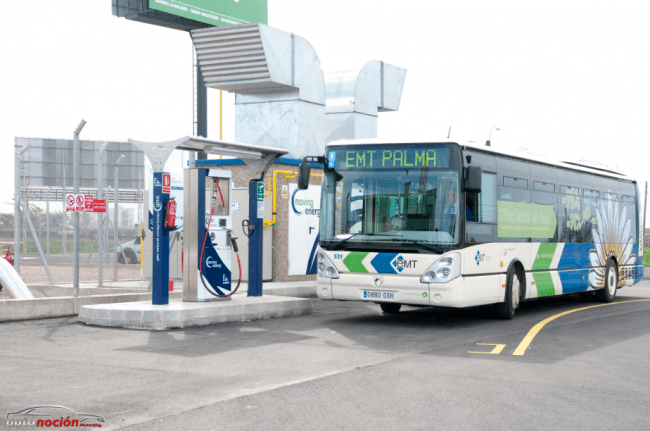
point(390, 157)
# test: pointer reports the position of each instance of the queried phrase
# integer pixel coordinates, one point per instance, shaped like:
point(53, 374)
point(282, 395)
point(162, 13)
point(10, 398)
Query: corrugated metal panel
point(233, 58)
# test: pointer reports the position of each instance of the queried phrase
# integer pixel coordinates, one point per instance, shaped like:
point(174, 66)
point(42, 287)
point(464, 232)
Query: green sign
point(260, 191)
point(519, 220)
point(216, 12)
point(390, 157)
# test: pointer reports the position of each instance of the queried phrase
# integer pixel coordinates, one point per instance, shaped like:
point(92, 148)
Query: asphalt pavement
point(348, 367)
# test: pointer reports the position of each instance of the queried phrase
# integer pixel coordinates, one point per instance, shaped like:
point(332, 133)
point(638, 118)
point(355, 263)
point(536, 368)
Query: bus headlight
point(444, 270)
point(325, 266)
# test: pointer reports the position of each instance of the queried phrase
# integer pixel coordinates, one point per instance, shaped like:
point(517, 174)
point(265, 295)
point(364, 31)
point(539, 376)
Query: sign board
point(84, 204)
point(218, 13)
point(88, 203)
point(260, 191)
point(166, 183)
point(304, 220)
point(285, 191)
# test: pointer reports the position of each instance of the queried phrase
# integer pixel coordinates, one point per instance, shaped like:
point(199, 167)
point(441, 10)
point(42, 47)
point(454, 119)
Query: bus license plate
point(375, 294)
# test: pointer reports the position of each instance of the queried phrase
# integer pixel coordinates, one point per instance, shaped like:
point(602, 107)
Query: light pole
point(116, 198)
point(487, 143)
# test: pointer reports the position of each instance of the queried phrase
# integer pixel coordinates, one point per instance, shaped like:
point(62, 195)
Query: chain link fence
point(110, 246)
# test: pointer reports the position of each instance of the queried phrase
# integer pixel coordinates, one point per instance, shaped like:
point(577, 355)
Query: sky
point(567, 79)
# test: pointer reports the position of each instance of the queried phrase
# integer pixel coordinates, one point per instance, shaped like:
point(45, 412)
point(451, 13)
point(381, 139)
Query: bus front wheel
point(390, 307)
point(506, 309)
point(608, 292)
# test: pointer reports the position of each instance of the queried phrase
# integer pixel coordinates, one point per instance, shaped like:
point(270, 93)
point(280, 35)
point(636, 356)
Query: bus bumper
point(458, 293)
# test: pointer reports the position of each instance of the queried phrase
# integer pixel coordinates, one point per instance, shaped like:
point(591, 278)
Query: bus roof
point(517, 154)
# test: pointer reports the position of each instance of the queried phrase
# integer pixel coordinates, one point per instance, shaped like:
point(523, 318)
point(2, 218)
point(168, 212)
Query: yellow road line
point(519, 351)
point(498, 348)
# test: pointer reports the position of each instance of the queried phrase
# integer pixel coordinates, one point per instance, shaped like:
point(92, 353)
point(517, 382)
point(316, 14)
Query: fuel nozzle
point(234, 244)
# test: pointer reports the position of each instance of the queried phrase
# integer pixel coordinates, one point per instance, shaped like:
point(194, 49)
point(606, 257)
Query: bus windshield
point(391, 195)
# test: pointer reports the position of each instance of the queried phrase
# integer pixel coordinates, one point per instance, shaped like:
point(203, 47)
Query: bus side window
point(481, 207)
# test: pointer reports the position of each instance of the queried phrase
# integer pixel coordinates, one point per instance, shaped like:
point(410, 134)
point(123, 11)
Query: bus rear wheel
point(506, 309)
point(608, 292)
point(390, 307)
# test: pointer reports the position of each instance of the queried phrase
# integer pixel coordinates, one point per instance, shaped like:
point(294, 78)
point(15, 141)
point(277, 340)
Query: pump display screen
point(388, 157)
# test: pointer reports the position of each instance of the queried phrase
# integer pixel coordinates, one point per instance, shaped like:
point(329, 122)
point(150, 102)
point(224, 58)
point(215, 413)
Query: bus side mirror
point(303, 175)
point(473, 180)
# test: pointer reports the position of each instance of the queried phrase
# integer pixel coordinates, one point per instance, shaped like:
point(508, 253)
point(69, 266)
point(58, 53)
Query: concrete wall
point(20, 309)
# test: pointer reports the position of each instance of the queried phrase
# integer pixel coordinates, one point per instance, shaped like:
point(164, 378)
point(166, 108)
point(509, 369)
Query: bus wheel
point(506, 309)
point(608, 292)
point(390, 307)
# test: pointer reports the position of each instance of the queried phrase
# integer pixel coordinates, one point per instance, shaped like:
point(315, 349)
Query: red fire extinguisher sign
point(170, 215)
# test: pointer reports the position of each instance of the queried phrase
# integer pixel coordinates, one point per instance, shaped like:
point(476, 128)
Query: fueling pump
point(208, 239)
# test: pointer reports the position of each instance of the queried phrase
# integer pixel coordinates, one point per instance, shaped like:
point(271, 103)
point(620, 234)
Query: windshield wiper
point(436, 250)
point(336, 244)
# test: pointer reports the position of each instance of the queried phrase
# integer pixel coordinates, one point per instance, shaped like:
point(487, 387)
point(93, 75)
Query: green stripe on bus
point(353, 261)
point(544, 283)
point(544, 255)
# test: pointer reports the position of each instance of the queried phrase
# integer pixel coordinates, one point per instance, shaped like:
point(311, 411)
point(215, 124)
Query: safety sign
point(84, 204)
point(285, 191)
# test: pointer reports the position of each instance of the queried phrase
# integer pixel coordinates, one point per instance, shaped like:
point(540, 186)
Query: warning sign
point(88, 203)
point(99, 206)
point(83, 204)
point(166, 183)
point(285, 191)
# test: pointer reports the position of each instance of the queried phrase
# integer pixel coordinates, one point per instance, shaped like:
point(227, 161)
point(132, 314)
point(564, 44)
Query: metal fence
point(109, 255)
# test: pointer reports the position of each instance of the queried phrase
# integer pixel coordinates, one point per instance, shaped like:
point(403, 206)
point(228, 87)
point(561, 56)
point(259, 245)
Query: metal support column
point(255, 241)
point(17, 176)
point(201, 109)
point(116, 215)
point(76, 172)
point(160, 276)
point(100, 216)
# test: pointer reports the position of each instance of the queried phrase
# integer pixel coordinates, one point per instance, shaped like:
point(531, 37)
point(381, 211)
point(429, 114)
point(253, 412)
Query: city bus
point(460, 225)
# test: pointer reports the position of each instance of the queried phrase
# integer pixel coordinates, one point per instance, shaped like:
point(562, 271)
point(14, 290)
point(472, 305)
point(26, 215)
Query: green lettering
point(400, 159)
point(406, 157)
point(349, 157)
point(430, 157)
point(386, 155)
point(372, 152)
point(361, 157)
point(419, 158)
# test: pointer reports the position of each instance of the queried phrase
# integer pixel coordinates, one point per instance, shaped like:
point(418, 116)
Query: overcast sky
point(562, 78)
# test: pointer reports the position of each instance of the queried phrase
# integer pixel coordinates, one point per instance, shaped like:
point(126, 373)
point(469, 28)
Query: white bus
point(451, 225)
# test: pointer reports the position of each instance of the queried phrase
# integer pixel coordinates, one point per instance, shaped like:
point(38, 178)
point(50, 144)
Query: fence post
point(76, 180)
point(17, 177)
point(116, 188)
point(47, 222)
point(100, 216)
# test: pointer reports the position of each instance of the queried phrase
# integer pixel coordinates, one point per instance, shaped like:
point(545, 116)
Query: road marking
point(497, 348)
point(519, 351)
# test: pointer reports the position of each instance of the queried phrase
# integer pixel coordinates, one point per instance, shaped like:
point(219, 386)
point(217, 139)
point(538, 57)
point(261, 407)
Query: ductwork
point(281, 89)
point(354, 99)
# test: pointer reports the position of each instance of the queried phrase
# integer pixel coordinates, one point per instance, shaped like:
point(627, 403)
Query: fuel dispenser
point(208, 270)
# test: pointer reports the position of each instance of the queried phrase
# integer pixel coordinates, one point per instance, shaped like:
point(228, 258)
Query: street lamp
point(487, 143)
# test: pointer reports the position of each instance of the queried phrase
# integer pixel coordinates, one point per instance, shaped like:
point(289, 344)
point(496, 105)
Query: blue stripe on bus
point(572, 281)
point(382, 261)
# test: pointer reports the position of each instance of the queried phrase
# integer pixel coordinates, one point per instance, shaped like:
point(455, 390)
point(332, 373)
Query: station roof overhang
point(258, 158)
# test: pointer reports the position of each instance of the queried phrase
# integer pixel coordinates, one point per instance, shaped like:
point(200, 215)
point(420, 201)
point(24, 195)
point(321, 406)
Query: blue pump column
point(256, 220)
point(160, 273)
